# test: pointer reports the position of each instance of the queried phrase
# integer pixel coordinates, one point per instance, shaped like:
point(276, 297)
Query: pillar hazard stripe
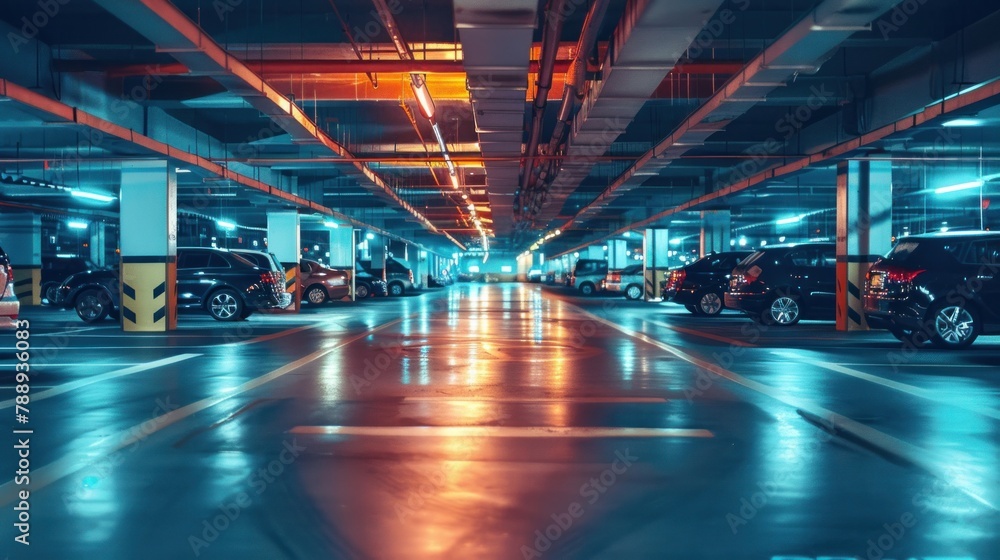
point(22, 282)
point(128, 314)
point(129, 291)
point(853, 289)
point(160, 314)
point(290, 280)
point(158, 291)
point(854, 316)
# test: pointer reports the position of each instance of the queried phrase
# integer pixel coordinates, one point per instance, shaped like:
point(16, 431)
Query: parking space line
point(710, 336)
point(500, 431)
point(75, 331)
point(609, 400)
point(909, 389)
point(67, 387)
point(917, 456)
point(80, 459)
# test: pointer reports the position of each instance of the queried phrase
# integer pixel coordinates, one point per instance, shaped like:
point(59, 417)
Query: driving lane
point(499, 421)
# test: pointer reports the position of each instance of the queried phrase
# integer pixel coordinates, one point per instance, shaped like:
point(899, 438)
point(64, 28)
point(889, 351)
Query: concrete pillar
point(617, 259)
point(148, 246)
point(864, 232)
point(21, 238)
point(284, 239)
point(594, 252)
point(716, 228)
point(655, 250)
point(343, 252)
point(98, 243)
point(379, 249)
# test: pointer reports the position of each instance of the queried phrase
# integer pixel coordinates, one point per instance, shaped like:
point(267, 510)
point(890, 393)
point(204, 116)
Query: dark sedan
point(781, 285)
point(701, 286)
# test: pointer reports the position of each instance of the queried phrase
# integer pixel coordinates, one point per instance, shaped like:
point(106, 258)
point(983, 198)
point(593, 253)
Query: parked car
point(939, 287)
point(701, 286)
point(781, 285)
point(321, 284)
point(9, 305)
point(398, 277)
point(588, 275)
point(221, 282)
point(57, 269)
point(629, 281)
point(441, 280)
point(534, 276)
point(366, 285)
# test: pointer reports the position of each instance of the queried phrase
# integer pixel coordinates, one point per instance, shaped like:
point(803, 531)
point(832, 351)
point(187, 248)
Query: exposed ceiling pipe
point(354, 44)
point(550, 45)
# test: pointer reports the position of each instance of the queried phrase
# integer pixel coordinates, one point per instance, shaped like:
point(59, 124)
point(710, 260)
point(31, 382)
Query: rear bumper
point(749, 303)
point(886, 312)
point(9, 308)
point(614, 286)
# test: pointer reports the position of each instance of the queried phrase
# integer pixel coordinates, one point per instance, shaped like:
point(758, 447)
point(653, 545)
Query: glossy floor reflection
point(505, 421)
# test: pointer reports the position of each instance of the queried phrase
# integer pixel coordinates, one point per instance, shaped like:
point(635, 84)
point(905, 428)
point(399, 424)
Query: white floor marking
point(499, 431)
point(611, 400)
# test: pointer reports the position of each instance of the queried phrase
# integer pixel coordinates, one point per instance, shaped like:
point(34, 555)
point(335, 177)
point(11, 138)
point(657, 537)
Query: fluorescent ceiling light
point(77, 225)
point(787, 221)
point(963, 122)
point(959, 187)
point(92, 196)
point(230, 226)
point(331, 225)
point(419, 85)
point(182, 170)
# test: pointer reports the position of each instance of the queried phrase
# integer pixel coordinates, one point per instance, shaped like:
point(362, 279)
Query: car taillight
point(894, 274)
point(269, 278)
point(676, 278)
point(411, 276)
point(616, 277)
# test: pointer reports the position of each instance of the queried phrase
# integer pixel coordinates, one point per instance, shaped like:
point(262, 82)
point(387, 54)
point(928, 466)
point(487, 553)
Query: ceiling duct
point(496, 42)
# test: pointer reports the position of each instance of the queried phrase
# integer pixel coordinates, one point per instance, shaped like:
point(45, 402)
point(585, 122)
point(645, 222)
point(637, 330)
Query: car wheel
point(225, 305)
point(587, 289)
point(953, 326)
point(693, 309)
point(51, 292)
point(784, 311)
point(316, 295)
point(633, 292)
point(396, 289)
point(361, 291)
point(710, 303)
point(93, 306)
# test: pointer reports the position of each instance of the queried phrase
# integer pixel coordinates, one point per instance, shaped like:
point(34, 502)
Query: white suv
point(9, 306)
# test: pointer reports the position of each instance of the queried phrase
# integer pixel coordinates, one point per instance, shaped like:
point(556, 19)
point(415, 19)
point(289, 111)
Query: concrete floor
point(503, 421)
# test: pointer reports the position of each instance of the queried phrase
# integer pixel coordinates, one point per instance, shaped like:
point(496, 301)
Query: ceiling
point(618, 115)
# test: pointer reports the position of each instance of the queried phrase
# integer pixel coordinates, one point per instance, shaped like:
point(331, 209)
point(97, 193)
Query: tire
point(396, 289)
point(225, 305)
point(953, 326)
point(633, 292)
point(362, 291)
point(51, 291)
point(587, 289)
point(92, 306)
point(784, 311)
point(693, 309)
point(316, 295)
point(710, 304)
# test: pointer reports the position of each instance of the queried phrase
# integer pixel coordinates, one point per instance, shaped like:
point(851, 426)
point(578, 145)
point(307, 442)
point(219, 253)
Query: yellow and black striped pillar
point(293, 286)
point(148, 294)
point(28, 284)
point(864, 231)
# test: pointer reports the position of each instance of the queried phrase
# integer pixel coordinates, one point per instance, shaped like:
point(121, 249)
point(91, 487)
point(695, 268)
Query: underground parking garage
point(420, 279)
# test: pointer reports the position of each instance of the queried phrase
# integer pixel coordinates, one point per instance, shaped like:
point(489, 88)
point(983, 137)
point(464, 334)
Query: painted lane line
point(67, 387)
point(80, 459)
point(75, 331)
point(910, 389)
point(913, 454)
point(85, 364)
point(610, 400)
point(710, 336)
point(499, 431)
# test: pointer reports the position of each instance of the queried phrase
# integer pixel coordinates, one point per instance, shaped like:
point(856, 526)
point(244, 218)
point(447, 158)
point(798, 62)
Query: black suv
point(224, 284)
point(780, 285)
point(398, 277)
point(937, 287)
point(701, 286)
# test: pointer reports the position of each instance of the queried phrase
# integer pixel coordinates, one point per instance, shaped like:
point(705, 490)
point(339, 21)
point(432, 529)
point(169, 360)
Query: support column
point(617, 259)
point(864, 232)
point(715, 231)
point(98, 243)
point(148, 247)
point(655, 251)
point(284, 239)
point(594, 252)
point(21, 238)
point(343, 251)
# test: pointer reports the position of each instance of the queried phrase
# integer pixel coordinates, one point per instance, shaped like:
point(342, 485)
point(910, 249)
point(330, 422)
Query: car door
point(305, 269)
point(984, 258)
point(824, 282)
point(803, 271)
point(191, 265)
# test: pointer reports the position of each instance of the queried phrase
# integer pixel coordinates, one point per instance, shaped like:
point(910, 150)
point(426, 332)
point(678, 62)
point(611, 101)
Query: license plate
point(877, 281)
